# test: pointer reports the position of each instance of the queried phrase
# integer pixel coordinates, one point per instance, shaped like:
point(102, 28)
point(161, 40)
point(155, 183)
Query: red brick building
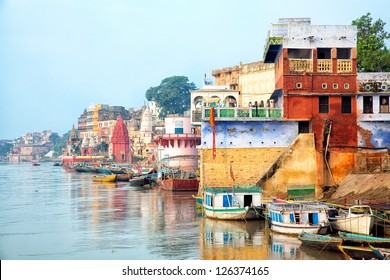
point(316, 80)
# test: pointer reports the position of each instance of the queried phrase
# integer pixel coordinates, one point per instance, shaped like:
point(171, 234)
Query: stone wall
point(247, 165)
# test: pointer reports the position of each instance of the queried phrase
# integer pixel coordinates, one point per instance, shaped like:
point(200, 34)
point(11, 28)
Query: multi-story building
point(305, 135)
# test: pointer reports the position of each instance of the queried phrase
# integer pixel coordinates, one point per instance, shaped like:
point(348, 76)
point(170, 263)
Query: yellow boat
point(108, 178)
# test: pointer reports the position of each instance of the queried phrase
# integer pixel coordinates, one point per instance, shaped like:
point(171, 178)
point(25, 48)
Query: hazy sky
point(57, 57)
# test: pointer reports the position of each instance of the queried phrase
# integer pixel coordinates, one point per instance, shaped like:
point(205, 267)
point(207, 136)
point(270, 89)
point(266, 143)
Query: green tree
point(60, 143)
point(372, 53)
point(5, 148)
point(173, 95)
point(102, 147)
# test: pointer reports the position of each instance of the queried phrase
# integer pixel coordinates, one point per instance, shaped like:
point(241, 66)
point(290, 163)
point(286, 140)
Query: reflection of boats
point(237, 203)
point(360, 239)
point(321, 242)
point(107, 178)
point(284, 246)
point(221, 233)
point(364, 253)
point(358, 219)
point(294, 218)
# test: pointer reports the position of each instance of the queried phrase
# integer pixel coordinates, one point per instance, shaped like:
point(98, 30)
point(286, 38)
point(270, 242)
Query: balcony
point(324, 66)
point(300, 65)
point(344, 65)
point(251, 113)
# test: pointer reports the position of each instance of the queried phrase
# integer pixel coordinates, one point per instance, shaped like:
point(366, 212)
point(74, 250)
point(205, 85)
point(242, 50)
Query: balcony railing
point(243, 113)
point(344, 65)
point(300, 65)
point(324, 66)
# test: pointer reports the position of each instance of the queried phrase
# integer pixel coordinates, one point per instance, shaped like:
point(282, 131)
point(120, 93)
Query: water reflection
point(47, 213)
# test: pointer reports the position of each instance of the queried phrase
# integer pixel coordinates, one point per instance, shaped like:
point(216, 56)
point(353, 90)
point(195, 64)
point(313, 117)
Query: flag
point(212, 124)
point(139, 170)
point(231, 171)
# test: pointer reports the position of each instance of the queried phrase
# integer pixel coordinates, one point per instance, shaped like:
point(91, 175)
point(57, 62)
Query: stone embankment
point(365, 187)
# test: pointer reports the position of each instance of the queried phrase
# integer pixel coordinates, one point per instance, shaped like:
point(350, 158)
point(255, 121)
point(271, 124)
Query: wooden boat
point(360, 239)
point(178, 180)
point(137, 181)
point(198, 199)
point(358, 219)
point(124, 177)
point(107, 178)
point(295, 218)
point(321, 242)
point(237, 203)
point(69, 168)
point(176, 184)
point(364, 253)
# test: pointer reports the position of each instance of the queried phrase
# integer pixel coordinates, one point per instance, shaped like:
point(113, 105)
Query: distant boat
point(104, 179)
point(178, 180)
point(356, 219)
point(124, 177)
point(319, 241)
point(35, 163)
point(137, 181)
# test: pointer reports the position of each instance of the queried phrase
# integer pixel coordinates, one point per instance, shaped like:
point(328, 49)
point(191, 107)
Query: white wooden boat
point(295, 218)
point(236, 203)
point(356, 219)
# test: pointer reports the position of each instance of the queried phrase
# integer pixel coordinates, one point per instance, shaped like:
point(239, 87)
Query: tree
point(173, 95)
point(372, 53)
point(102, 147)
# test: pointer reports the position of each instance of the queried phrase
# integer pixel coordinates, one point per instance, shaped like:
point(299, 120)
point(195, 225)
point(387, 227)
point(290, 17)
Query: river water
point(47, 213)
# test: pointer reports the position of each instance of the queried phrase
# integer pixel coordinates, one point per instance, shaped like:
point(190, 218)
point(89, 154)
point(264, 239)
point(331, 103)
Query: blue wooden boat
point(319, 241)
point(360, 239)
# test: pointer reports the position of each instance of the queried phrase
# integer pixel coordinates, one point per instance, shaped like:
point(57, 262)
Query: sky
point(58, 57)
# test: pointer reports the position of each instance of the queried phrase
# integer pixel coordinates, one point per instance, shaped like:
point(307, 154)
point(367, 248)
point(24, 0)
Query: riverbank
point(365, 187)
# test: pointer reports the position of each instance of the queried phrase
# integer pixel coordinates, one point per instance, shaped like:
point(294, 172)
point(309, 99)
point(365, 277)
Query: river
point(47, 213)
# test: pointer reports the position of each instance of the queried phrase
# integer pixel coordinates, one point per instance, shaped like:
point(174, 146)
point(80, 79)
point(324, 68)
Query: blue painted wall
point(250, 134)
point(380, 134)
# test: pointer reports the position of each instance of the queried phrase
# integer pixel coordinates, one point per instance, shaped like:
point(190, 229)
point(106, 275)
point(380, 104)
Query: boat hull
point(231, 213)
point(354, 224)
point(321, 242)
point(364, 240)
point(137, 182)
point(104, 179)
point(361, 253)
point(298, 228)
point(179, 184)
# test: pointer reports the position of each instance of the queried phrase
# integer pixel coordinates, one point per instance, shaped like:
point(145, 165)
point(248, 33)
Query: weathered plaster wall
point(250, 134)
point(247, 165)
point(297, 167)
point(374, 134)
